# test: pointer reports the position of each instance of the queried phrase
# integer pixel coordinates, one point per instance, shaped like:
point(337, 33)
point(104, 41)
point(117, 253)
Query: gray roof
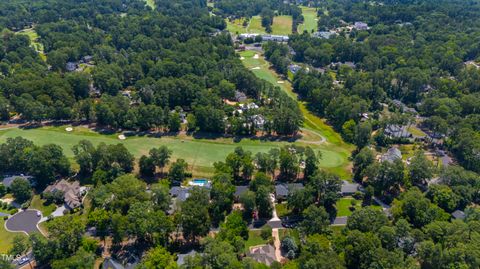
point(349, 188)
point(392, 154)
point(182, 257)
point(340, 221)
point(458, 214)
point(239, 190)
point(9, 180)
point(284, 189)
point(263, 254)
point(180, 193)
point(397, 131)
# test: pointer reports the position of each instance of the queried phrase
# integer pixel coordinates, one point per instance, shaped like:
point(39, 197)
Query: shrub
point(289, 246)
point(266, 232)
point(358, 195)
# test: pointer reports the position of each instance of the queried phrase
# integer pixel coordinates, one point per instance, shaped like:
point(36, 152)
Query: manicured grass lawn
point(39, 204)
point(282, 210)
point(255, 25)
point(6, 238)
point(343, 206)
point(236, 26)
point(310, 20)
point(282, 25)
point(254, 239)
point(289, 232)
point(32, 34)
point(312, 123)
point(199, 153)
point(415, 131)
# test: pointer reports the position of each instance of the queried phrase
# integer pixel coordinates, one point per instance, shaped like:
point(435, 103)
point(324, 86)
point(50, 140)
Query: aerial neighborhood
point(239, 134)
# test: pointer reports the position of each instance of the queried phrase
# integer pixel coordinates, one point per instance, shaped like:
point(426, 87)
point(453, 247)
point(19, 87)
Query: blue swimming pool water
point(200, 181)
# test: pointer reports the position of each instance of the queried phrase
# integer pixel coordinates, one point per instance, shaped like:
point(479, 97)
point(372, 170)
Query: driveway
point(25, 221)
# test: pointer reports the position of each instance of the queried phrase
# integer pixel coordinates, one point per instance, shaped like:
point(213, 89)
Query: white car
point(23, 260)
point(39, 214)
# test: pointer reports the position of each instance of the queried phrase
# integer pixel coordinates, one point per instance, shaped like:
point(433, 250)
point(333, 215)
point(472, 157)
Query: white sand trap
point(121, 137)
point(69, 129)
point(256, 68)
point(280, 82)
point(316, 19)
point(242, 58)
point(255, 56)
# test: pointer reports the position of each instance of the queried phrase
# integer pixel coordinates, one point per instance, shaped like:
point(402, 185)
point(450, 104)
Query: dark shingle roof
point(458, 214)
point(9, 180)
point(283, 189)
point(349, 188)
point(239, 190)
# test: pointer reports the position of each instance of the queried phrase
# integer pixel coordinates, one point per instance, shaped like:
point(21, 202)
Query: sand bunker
point(255, 56)
point(242, 58)
point(255, 68)
point(280, 82)
point(69, 129)
point(121, 137)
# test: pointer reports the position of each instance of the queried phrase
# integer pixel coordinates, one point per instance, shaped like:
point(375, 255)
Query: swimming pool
point(199, 182)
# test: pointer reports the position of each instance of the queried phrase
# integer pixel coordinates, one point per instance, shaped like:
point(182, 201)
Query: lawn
point(415, 131)
point(236, 26)
point(343, 206)
point(310, 20)
point(32, 34)
point(254, 239)
point(39, 204)
point(282, 210)
point(289, 232)
point(312, 122)
point(6, 238)
point(200, 153)
point(282, 25)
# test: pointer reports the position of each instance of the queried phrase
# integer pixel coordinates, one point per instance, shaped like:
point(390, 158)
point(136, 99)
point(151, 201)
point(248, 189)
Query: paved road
point(24, 221)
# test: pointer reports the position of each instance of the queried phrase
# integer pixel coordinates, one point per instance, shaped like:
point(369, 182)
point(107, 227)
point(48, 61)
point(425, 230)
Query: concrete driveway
point(24, 221)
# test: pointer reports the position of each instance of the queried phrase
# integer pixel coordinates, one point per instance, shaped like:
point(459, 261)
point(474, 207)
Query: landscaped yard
point(6, 237)
point(310, 20)
point(282, 210)
point(254, 239)
point(39, 204)
point(343, 206)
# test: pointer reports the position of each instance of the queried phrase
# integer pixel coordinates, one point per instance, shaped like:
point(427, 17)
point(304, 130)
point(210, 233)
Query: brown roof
point(71, 190)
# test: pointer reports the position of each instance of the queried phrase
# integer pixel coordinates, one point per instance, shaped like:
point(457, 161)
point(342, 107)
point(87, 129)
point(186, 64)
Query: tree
point(146, 166)
point(81, 260)
point(222, 193)
point(443, 196)
point(84, 153)
point(20, 245)
point(288, 163)
point(174, 122)
point(161, 196)
point(263, 202)
point(100, 219)
point(219, 254)
point(361, 161)
point(316, 220)
point(363, 133)
point(299, 200)
point(325, 188)
point(178, 171)
point(148, 225)
point(160, 156)
point(158, 258)
point(420, 169)
point(194, 216)
point(21, 190)
point(248, 201)
point(367, 219)
point(311, 162)
point(233, 226)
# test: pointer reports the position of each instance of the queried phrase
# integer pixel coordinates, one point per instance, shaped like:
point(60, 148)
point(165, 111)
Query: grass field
point(310, 20)
point(254, 239)
point(282, 25)
point(32, 34)
point(312, 122)
point(39, 204)
point(343, 206)
point(6, 238)
point(199, 153)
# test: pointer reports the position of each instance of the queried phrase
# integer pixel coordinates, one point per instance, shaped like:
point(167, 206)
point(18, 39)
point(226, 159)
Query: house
point(71, 66)
point(294, 68)
point(397, 131)
point(391, 155)
point(182, 257)
point(72, 192)
point(282, 190)
point(349, 188)
point(7, 181)
point(259, 121)
point(458, 214)
point(323, 34)
point(338, 64)
point(111, 263)
point(239, 190)
point(180, 193)
point(240, 96)
point(404, 108)
point(263, 254)
point(361, 26)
